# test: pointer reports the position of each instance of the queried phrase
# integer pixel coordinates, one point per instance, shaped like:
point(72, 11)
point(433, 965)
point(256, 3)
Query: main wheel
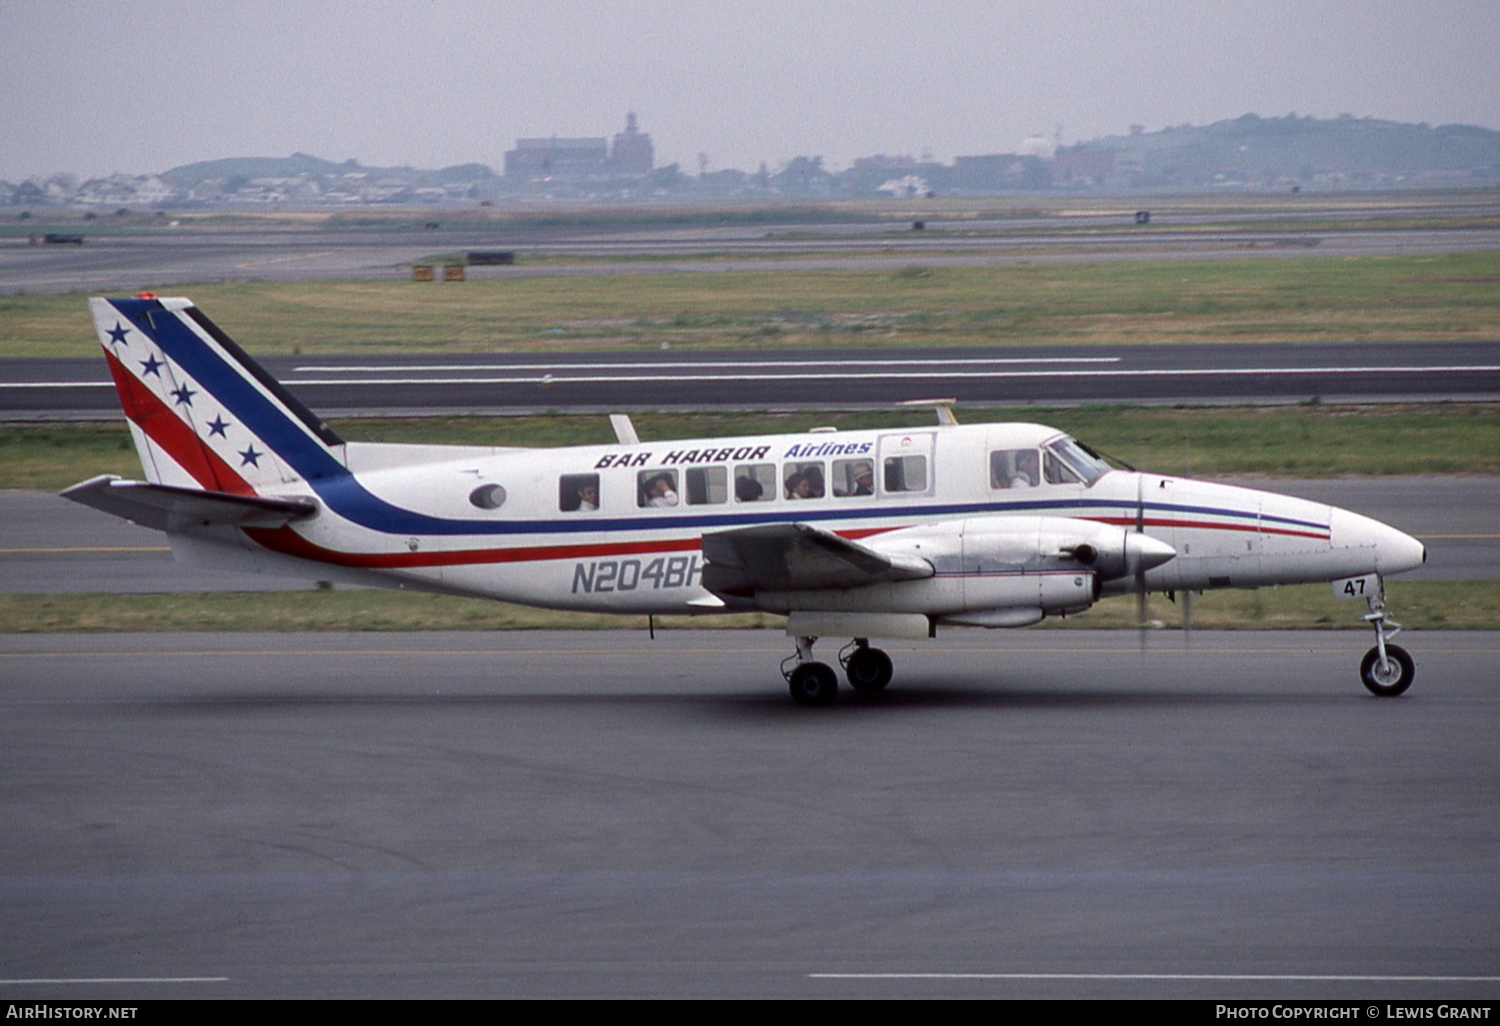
point(813, 684)
point(1394, 677)
point(869, 669)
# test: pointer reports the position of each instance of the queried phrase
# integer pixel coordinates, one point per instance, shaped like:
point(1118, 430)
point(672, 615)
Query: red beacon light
point(145, 295)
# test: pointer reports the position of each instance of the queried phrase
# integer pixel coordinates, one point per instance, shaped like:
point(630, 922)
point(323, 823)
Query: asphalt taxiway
point(853, 378)
point(594, 814)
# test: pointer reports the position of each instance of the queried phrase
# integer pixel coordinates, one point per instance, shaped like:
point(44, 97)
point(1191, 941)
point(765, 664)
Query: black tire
point(869, 670)
point(1396, 677)
point(813, 684)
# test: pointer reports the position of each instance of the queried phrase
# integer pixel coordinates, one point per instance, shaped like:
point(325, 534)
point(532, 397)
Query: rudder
point(202, 412)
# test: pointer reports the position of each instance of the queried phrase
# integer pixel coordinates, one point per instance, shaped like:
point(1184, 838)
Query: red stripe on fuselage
point(164, 427)
point(288, 542)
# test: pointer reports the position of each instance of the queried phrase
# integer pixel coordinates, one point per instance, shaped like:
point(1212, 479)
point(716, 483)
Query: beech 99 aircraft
point(861, 534)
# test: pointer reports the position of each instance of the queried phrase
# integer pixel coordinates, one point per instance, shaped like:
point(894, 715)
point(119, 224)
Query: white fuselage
point(618, 528)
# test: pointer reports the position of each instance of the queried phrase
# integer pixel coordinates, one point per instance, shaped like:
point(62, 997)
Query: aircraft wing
point(797, 557)
point(169, 508)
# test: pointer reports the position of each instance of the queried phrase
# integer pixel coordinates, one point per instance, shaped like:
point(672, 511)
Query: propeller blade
point(1140, 609)
point(1140, 566)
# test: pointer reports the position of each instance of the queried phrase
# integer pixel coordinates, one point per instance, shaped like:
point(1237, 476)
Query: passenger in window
point(747, 489)
point(803, 480)
point(577, 493)
point(864, 478)
point(755, 482)
point(813, 474)
point(1028, 470)
point(659, 491)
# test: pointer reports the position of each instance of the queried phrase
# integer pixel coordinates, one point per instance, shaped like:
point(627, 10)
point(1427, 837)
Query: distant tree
point(668, 177)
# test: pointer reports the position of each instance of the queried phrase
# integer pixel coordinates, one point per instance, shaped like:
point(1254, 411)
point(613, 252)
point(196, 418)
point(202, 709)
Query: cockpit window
point(1068, 461)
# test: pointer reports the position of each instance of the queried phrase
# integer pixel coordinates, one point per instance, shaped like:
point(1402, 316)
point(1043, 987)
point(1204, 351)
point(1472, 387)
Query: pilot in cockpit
point(1028, 470)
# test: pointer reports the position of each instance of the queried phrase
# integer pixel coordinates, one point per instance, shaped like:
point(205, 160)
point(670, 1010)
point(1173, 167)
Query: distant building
point(558, 158)
point(633, 153)
point(585, 159)
point(996, 172)
point(1082, 165)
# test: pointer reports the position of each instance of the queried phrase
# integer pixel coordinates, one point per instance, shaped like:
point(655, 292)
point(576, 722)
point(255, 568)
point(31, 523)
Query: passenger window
point(488, 496)
point(1014, 468)
point(578, 493)
point(906, 473)
point(656, 488)
point(803, 480)
point(853, 478)
point(755, 482)
point(706, 486)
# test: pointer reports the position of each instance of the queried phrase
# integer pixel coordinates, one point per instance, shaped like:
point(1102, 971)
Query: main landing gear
point(1386, 670)
point(814, 683)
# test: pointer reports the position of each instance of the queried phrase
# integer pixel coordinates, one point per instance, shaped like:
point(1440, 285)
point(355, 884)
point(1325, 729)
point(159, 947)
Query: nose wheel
point(1386, 670)
point(1390, 676)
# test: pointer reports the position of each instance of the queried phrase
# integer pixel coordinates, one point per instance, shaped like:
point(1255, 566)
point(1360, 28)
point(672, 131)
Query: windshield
point(1086, 467)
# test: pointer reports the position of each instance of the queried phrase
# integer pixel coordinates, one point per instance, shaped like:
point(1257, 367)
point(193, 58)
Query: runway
point(555, 815)
point(34, 389)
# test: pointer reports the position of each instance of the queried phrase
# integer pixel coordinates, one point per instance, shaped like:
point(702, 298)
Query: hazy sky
point(97, 86)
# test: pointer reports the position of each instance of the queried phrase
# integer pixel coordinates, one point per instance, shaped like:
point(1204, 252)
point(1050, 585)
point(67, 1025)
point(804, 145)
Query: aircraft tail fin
point(203, 413)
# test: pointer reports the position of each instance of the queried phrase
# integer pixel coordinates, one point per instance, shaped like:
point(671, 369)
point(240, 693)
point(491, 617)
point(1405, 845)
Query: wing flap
point(797, 557)
point(170, 508)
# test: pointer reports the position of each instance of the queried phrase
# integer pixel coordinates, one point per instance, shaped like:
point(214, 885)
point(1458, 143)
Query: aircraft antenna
point(944, 409)
point(624, 429)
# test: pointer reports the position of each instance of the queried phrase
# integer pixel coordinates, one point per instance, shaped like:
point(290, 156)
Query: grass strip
point(1428, 605)
point(1314, 299)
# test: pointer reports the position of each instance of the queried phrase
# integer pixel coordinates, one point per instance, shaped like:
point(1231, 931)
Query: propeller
point(1140, 566)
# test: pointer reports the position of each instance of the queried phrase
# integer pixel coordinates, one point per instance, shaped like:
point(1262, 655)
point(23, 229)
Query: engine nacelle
point(983, 545)
point(990, 571)
point(1016, 570)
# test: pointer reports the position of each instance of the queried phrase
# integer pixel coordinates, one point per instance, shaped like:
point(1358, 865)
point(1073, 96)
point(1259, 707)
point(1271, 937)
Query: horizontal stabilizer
point(797, 557)
point(170, 508)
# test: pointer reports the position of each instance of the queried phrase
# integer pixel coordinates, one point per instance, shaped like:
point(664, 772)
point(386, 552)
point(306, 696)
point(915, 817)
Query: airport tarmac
point(1046, 814)
point(51, 545)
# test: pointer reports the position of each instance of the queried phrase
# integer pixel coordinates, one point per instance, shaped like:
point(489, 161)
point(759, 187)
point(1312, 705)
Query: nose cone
point(1143, 552)
point(1395, 551)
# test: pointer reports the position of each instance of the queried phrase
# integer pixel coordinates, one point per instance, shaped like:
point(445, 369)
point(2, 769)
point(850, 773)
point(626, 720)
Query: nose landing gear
point(1386, 670)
